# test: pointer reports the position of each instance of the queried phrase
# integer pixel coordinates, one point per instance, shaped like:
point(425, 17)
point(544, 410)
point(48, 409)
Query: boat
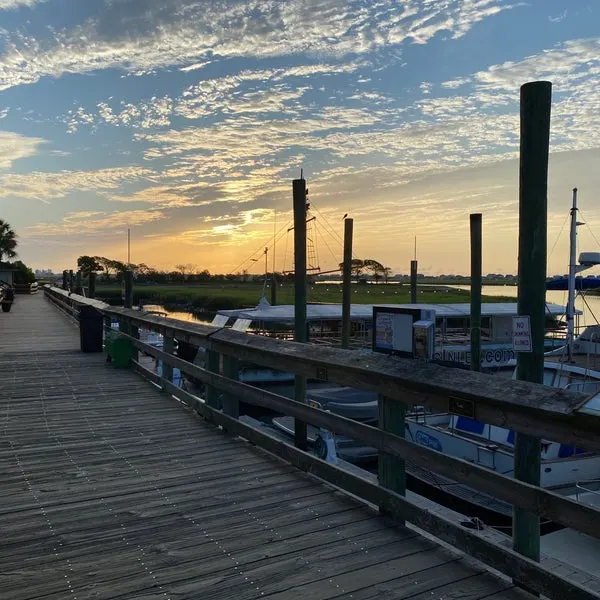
point(574, 365)
point(452, 329)
point(358, 405)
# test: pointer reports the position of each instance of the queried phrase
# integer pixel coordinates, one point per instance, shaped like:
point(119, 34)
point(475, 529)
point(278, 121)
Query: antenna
point(274, 237)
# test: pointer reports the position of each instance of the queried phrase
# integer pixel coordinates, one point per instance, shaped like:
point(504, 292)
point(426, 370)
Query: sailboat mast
point(572, 274)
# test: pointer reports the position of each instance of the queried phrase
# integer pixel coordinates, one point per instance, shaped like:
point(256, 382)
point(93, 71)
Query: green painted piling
point(347, 282)
point(413, 281)
point(533, 206)
point(92, 285)
point(128, 276)
point(475, 223)
point(300, 330)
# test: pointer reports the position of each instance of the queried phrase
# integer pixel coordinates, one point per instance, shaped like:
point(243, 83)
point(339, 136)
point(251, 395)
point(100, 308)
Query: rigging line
point(586, 224)
point(337, 262)
point(589, 307)
point(332, 230)
point(559, 234)
point(259, 250)
point(316, 245)
point(287, 239)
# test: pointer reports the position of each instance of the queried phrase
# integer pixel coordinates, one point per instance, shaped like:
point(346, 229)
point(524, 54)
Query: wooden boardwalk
point(110, 489)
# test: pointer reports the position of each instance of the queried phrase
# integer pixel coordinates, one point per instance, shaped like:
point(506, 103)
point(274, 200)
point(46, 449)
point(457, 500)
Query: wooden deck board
point(110, 489)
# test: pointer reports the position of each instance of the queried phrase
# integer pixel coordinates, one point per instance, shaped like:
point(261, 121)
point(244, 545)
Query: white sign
point(521, 334)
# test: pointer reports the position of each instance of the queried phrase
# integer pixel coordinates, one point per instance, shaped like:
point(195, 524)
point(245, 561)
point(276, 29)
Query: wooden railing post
point(79, 283)
point(536, 98)
point(231, 404)
point(392, 469)
point(213, 360)
point(169, 348)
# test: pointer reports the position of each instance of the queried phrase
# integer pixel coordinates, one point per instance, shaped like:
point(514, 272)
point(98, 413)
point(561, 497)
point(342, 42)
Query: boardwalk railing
point(533, 409)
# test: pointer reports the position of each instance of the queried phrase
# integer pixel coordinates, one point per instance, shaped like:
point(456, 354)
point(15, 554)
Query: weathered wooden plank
point(543, 502)
point(503, 559)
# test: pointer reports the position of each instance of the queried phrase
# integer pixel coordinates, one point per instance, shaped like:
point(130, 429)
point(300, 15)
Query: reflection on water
point(204, 318)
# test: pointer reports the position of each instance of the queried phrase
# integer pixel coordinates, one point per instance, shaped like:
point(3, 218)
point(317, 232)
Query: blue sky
point(187, 120)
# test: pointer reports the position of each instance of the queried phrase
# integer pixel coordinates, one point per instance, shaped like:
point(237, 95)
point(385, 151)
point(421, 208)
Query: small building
point(7, 274)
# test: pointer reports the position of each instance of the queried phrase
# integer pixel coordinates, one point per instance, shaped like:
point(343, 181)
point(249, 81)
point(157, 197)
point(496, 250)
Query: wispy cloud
point(142, 37)
point(12, 4)
point(93, 222)
point(45, 186)
point(14, 146)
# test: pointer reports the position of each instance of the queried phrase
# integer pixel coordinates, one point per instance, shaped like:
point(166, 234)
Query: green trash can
point(118, 349)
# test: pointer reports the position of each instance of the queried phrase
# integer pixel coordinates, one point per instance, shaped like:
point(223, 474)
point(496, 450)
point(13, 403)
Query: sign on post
point(521, 334)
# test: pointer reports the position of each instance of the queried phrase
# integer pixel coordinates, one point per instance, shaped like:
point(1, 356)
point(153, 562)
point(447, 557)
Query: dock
point(111, 488)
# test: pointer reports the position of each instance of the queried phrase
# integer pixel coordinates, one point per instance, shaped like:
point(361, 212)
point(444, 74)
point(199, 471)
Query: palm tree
point(8, 241)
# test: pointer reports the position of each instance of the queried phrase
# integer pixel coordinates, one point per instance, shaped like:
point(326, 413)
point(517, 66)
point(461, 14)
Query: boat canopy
point(591, 282)
point(333, 312)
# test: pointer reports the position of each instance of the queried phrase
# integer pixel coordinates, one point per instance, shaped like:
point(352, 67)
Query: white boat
point(573, 365)
point(452, 329)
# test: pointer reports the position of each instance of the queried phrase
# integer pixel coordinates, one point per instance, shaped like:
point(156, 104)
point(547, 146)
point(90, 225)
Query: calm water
point(590, 308)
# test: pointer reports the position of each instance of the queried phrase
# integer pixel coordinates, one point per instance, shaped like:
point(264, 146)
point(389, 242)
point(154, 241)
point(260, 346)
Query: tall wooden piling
point(475, 222)
point(533, 188)
point(92, 285)
point(128, 276)
point(79, 282)
point(300, 332)
point(65, 280)
point(347, 282)
point(413, 281)
point(71, 280)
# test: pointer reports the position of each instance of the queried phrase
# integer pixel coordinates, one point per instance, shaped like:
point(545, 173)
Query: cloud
point(93, 222)
point(14, 146)
point(12, 4)
point(561, 17)
point(45, 186)
point(141, 37)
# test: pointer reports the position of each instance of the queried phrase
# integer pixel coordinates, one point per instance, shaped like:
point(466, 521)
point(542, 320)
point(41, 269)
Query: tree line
point(368, 266)
point(111, 269)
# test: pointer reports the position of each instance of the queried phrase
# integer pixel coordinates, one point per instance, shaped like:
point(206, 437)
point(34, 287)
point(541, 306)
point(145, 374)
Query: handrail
point(409, 382)
point(530, 408)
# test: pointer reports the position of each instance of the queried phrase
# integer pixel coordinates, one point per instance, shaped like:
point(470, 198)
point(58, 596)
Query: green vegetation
point(214, 296)
point(8, 241)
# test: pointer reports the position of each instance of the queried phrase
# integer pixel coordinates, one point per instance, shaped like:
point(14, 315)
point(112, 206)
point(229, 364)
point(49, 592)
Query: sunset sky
point(187, 121)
